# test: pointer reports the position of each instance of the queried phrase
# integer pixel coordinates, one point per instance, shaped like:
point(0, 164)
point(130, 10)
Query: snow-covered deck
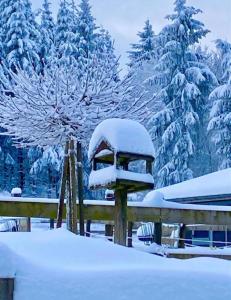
point(59, 265)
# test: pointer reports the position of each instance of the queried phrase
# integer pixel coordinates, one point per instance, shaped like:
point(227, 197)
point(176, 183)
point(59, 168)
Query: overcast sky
point(124, 18)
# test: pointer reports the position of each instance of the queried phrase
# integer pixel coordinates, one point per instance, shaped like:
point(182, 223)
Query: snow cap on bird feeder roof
point(120, 135)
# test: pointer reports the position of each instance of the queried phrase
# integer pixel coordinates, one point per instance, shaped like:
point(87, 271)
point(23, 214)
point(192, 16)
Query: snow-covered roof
point(122, 136)
point(217, 183)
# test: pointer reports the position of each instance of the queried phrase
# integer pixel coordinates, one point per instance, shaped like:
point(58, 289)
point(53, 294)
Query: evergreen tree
point(19, 47)
point(106, 52)
point(223, 62)
point(86, 30)
point(178, 128)
point(65, 38)
point(220, 115)
point(146, 46)
point(47, 33)
point(143, 59)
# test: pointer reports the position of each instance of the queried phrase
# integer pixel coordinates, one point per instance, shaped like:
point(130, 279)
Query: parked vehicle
point(8, 225)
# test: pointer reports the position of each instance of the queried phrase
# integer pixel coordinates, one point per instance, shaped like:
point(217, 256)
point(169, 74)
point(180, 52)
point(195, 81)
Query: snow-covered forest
point(60, 77)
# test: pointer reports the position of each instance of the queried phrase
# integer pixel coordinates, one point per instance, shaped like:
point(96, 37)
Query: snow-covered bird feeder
point(114, 147)
point(115, 144)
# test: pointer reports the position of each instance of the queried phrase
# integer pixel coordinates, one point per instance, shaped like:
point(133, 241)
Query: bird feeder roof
point(121, 135)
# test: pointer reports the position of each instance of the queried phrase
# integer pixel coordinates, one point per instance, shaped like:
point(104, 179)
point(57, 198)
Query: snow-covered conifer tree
point(220, 115)
point(86, 30)
point(143, 59)
point(65, 37)
point(19, 47)
point(185, 83)
point(144, 49)
point(47, 32)
point(104, 47)
point(223, 60)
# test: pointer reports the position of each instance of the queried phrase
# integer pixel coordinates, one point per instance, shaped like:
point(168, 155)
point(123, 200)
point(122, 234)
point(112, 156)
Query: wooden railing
point(104, 210)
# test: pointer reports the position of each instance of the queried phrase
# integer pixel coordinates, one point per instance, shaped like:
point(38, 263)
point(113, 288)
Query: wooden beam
point(80, 187)
point(72, 209)
point(60, 213)
point(101, 210)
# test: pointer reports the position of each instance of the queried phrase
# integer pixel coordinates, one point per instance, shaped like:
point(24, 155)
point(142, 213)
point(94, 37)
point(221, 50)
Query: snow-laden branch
point(64, 101)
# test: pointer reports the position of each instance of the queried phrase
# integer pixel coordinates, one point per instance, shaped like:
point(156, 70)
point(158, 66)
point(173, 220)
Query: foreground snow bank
point(59, 265)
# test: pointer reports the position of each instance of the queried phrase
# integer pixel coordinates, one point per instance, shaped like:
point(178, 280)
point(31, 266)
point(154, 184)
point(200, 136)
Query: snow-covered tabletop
point(57, 265)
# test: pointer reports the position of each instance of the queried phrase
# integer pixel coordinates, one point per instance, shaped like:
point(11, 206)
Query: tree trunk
point(80, 187)
point(21, 174)
point(63, 186)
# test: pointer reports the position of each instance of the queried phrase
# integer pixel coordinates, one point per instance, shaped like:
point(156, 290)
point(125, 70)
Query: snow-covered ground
point(59, 265)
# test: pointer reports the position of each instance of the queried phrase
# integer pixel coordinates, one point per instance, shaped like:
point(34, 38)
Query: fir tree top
point(145, 47)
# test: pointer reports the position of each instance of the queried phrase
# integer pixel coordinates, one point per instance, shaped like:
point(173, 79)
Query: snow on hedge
point(57, 265)
point(123, 136)
point(217, 183)
point(109, 175)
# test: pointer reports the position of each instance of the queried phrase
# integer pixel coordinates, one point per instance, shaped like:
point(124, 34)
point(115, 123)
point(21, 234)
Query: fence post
point(109, 231)
point(88, 228)
point(130, 226)
point(158, 233)
point(52, 223)
point(182, 235)
point(6, 288)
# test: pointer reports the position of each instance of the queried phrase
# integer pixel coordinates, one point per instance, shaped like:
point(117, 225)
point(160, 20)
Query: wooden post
point(6, 288)
point(120, 233)
point(28, 224)
point(73, 190)
point(88, 229)
point(80, 187)
point(68, 201)
point(149, 167)
point(182, 235)
point(52, 223)
point(130, 226)
point(109, 232)
point(157, 233)
point(63, 187)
